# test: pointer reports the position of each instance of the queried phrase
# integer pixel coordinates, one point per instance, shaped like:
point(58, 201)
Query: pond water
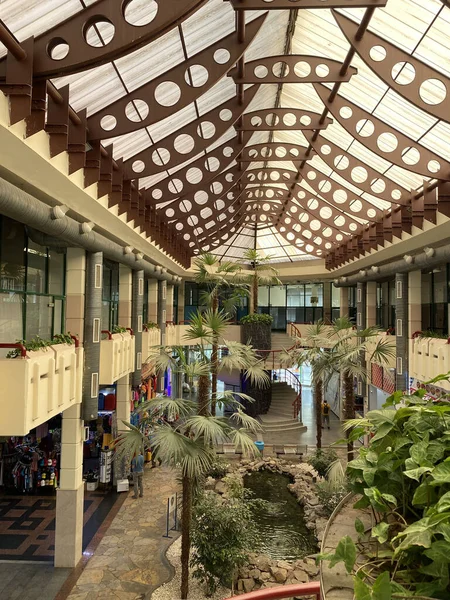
point(281, 521)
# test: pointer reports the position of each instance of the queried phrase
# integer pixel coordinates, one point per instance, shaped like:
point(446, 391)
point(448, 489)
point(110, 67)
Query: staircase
point(281, 341)
point(280, 416)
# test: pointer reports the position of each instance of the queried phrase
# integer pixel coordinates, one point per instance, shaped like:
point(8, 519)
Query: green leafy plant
point(223, 535)
point(403, 477)
point(334, 489)
point(62, 338)
point(432, 334)
point(119, 329)
point(260, 318)
point(36, 343)
point(218, 469)
point(321, 460)
point(151, 325)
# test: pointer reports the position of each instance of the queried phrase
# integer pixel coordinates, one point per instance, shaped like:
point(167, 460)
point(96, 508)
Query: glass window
point(11, 317)
point(12, 255)
point(56, 272)
point(278, 295)
point(314, 294)
point(39, 317)
point(263, 295)
point(36, 268)
point(296, 295)
point(335, 297)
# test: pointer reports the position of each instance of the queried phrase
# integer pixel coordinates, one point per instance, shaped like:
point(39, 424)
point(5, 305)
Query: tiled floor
point(27, 524)
point(30, 582)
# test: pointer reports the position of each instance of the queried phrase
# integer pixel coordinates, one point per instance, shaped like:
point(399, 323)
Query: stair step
point(283, 428)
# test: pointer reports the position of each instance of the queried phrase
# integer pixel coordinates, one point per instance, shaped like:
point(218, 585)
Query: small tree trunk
point(186, 535)
point(318, 393)
point(214, 362)
point(255, 293)
point(349, 410)
point(203, 395)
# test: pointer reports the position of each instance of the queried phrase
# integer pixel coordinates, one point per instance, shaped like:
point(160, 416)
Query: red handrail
point(23, 350)
point(297, 404)
point(284, 591)
point(108, 333)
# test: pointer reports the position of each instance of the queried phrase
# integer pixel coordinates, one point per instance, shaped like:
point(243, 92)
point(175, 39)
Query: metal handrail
point(293, 380)
point(284, 591)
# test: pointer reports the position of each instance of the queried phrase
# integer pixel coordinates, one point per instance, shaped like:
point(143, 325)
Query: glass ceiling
point(330, 201)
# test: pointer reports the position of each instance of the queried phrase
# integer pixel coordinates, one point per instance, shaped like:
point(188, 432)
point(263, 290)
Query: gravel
point(171, 590)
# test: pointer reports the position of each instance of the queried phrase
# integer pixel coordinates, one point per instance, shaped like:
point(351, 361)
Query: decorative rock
point(283, 564)
point(248, 584)
point(255, 573)
point(280, 575)
point(301, 576)
point(210, 483)
point(220, 487)
point(262, 562)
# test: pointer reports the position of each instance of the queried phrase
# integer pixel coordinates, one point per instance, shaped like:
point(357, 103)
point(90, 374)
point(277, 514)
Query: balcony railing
point(283, 592)
point(429, 357)
point(38, 385)
point(117, 356)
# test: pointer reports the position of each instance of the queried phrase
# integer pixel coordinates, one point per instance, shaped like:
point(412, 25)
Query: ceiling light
point(408, 259)
point(375, 269)
point(429, 252)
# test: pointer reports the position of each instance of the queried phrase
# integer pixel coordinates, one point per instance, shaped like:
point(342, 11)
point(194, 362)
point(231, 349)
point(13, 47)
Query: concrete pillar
point(123, 410)
point(136, 321)
point(162, 318)
point(125, 295)
point(343, 311)
point(170, 293)
point(401, 330)
point(181, 301)
point(92, 334)
point(75, 291)
point(327, 301)
point(371, 304)
point(414, 302)
point(361, 319)
point(70, 495)
point(152, 309)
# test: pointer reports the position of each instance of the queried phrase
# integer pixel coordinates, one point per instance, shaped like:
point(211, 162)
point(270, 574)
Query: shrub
point(37, 343)
point(218, 469)
point(260, 318)
point(151, 325)
point(119, 329)
point(223, 535)
point(330, 495)
point(321, 460)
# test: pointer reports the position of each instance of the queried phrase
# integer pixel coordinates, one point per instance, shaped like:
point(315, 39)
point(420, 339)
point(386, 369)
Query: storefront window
point(435, 300)
point(32, 286)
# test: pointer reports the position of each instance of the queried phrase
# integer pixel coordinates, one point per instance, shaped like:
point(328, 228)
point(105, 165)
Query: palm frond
point(198, 329)
point(242, 441)
point(215, 321)
point(242, 419)
point(383, 352)
point(171, 408)
point(257, 375)
point(211, 429)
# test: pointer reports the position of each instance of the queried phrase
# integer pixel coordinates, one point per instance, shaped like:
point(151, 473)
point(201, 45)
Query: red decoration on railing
point(284, 591)
point(130, 330)
point(416, 334)
point(108, 333)
point(76, 340)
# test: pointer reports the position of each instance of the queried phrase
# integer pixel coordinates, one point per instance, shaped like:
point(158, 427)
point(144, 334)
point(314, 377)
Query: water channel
point(281, 522)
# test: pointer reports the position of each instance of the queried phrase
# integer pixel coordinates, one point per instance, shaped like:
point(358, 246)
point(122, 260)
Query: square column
point(327, 301)
point(371, 304)
point(70, 495)
point(414, 302)
point(181, 301)
point(401, 330)
point(152, 309)
point(125, 295)
point(170, 302)
point(75, 291)
point(343, 310)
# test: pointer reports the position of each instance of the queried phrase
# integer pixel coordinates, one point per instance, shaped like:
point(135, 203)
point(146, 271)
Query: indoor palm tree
point(206, 329)
point(188, 446)
point(263, 273)
point(314, 354)
point(224, 288)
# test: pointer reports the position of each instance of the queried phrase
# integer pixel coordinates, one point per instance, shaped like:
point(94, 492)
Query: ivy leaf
point(394, 399)
point(345, 552)
point(380, 532)
point(401, 442)
point(441, 473)
point(418, 453)
point(415, 538)
point(369, 475)
point(422, 495)
point(381, 589)
point(417, 473)
point(382, 431)
point(359, 526)
point(372, 457)
point(444, 529)
point(439, 570)
point(389, 498)
point(439, 551)
point(363, 502)
point(444, 503)
point(362, 590)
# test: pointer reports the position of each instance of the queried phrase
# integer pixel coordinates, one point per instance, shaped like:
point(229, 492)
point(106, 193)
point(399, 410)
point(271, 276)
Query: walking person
point(326, 414)
point(137, 467)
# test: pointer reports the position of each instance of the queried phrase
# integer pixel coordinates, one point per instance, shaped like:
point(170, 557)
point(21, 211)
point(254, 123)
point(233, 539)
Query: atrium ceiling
point(290, 129)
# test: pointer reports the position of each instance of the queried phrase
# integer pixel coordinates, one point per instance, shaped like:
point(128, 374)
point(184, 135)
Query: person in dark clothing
point(326, 414)
point(137, 467)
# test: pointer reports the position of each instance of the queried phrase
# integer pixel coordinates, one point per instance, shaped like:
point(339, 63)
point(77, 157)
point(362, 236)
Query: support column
point(92, 334)
point(414, 302)
point(123, 410)
point(401, 330)
point(125, 295)
point(371, 304)
point(170, 303)
point(181, 301)
point(75, 291)
point(152, 309)
point(136, 322)
point(327, 301)
point(361, 319)
point(162, 318)
point(70, 494)
point(343, 311)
